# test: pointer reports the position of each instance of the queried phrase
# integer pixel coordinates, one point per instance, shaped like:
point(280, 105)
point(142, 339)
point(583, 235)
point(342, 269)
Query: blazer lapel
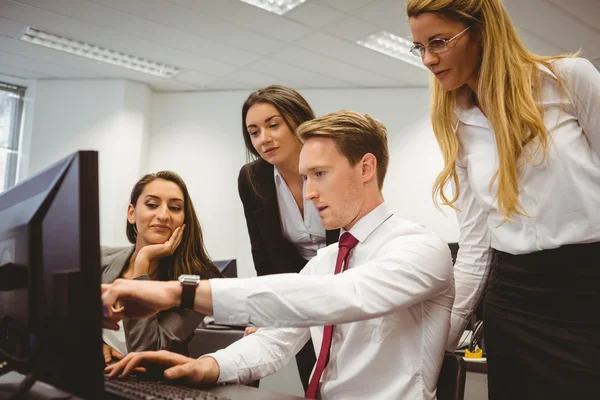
point(114, 269)
point(268, 218)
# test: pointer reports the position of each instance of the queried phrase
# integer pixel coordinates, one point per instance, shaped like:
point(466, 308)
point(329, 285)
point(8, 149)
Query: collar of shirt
point(277, 175)
point(303, 230)
point(370, 222)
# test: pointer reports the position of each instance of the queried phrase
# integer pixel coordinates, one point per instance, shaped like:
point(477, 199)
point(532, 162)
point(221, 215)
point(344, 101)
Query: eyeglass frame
point(421, 54)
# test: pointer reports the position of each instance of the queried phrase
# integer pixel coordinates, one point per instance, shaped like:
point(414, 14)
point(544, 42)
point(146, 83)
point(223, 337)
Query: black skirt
point(541, 318)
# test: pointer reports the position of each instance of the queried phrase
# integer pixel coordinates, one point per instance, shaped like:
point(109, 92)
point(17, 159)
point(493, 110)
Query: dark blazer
point(168, 330)
point(271, 252)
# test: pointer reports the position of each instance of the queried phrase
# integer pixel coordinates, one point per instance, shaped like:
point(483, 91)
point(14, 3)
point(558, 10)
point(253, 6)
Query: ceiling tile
point(149, 22)
point(249, 17)
point(315, 15)
point(45, 69)
point(194, 77)
point(386, 14)
point(347, 5)
point(111, 28)
point(198, 23)
point(369, 60)
point(352, 29)
point(12, 29)
point(296, 73)
point(79, 63)
point(217, 41)
point(259, 79)
point(332, 68)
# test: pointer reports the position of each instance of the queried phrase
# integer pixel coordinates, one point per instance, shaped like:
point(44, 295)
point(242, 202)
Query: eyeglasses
point(435, 46)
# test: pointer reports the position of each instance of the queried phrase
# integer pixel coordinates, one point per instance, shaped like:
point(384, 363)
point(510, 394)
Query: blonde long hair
point(509, 85)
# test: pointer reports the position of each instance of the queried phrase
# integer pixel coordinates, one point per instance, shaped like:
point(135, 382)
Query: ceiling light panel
point(94, 52)
point(391, 45)
point(278, 7)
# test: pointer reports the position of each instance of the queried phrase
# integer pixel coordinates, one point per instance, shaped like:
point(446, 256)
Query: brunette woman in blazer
point(285, 229)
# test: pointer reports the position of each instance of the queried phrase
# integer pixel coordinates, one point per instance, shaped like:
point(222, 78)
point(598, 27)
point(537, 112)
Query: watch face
point(195, 279)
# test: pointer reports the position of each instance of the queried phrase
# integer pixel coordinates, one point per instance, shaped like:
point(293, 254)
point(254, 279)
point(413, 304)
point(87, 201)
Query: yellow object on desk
point(478, 353)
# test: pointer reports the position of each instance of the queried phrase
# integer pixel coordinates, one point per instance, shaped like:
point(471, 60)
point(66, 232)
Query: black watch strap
point(188, 290)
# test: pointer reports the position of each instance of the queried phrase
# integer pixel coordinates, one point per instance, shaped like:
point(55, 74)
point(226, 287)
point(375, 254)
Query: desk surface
point(239, 392)
point(42, 391)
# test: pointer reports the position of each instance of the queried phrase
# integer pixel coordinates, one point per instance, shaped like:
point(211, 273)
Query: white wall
point(199, 136)
point(110, 116)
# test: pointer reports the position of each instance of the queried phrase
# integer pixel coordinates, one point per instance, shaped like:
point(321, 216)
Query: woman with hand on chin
point(167, 241)
point(285, 229)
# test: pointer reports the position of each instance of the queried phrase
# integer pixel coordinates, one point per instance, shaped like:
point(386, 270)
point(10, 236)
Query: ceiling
point(228, 44)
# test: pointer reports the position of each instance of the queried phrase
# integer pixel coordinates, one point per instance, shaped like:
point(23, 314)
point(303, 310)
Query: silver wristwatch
point(188, 290)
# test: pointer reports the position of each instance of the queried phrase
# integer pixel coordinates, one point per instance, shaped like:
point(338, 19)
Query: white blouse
point(306, 233)
point(115, 339)
point(561, 196)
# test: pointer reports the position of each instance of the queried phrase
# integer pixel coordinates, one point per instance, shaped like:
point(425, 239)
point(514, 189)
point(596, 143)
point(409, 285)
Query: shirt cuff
point(227, 367)
point(230, 300)
point(457, 328)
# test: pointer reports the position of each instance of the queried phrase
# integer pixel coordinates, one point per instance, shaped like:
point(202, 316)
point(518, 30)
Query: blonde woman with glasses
point(520, 138)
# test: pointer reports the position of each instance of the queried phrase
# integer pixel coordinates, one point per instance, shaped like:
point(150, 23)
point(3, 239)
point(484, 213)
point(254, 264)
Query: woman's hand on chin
point(154, 252)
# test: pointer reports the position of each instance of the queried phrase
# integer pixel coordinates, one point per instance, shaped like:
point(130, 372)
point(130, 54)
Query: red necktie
point(346, 243)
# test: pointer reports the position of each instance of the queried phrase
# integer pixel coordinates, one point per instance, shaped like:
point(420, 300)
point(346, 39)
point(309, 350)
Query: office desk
point(239, 392)
point(43, 391)
point(478, 365)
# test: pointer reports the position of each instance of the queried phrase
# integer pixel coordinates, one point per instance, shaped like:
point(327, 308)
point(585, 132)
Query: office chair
point(451, 383)
point(208, 341)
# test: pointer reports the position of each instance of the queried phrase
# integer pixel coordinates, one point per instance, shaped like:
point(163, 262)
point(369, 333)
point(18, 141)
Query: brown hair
point(190, 257)
point(354, 135)
point(294, 110)
point(509, 88)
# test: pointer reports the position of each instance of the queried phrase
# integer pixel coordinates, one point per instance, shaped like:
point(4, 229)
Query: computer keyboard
point(137, 389)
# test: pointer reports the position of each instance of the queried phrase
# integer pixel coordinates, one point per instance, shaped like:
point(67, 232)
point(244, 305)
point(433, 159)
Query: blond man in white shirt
point(390, 309)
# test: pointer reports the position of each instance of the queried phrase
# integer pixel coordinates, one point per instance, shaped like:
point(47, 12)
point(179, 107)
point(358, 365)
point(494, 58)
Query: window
point(11, 112)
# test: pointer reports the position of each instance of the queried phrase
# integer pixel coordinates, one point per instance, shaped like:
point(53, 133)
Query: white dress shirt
point(561, 196)
point(307, 234)
point(116, 339)
point(391, 311)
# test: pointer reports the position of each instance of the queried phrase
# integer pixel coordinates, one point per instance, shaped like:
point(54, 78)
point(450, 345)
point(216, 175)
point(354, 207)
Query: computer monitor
point(227, 267)
point(50, 307)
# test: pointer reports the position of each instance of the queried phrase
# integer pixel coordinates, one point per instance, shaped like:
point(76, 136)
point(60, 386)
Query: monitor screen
point(50, 308)
point(227, 267)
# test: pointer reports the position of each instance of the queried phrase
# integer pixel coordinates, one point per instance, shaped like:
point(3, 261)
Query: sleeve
point(258, 355)
point(472, 262)
point(262, 262)
point(168, 330)
point(583, 80)
point(409, 269)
